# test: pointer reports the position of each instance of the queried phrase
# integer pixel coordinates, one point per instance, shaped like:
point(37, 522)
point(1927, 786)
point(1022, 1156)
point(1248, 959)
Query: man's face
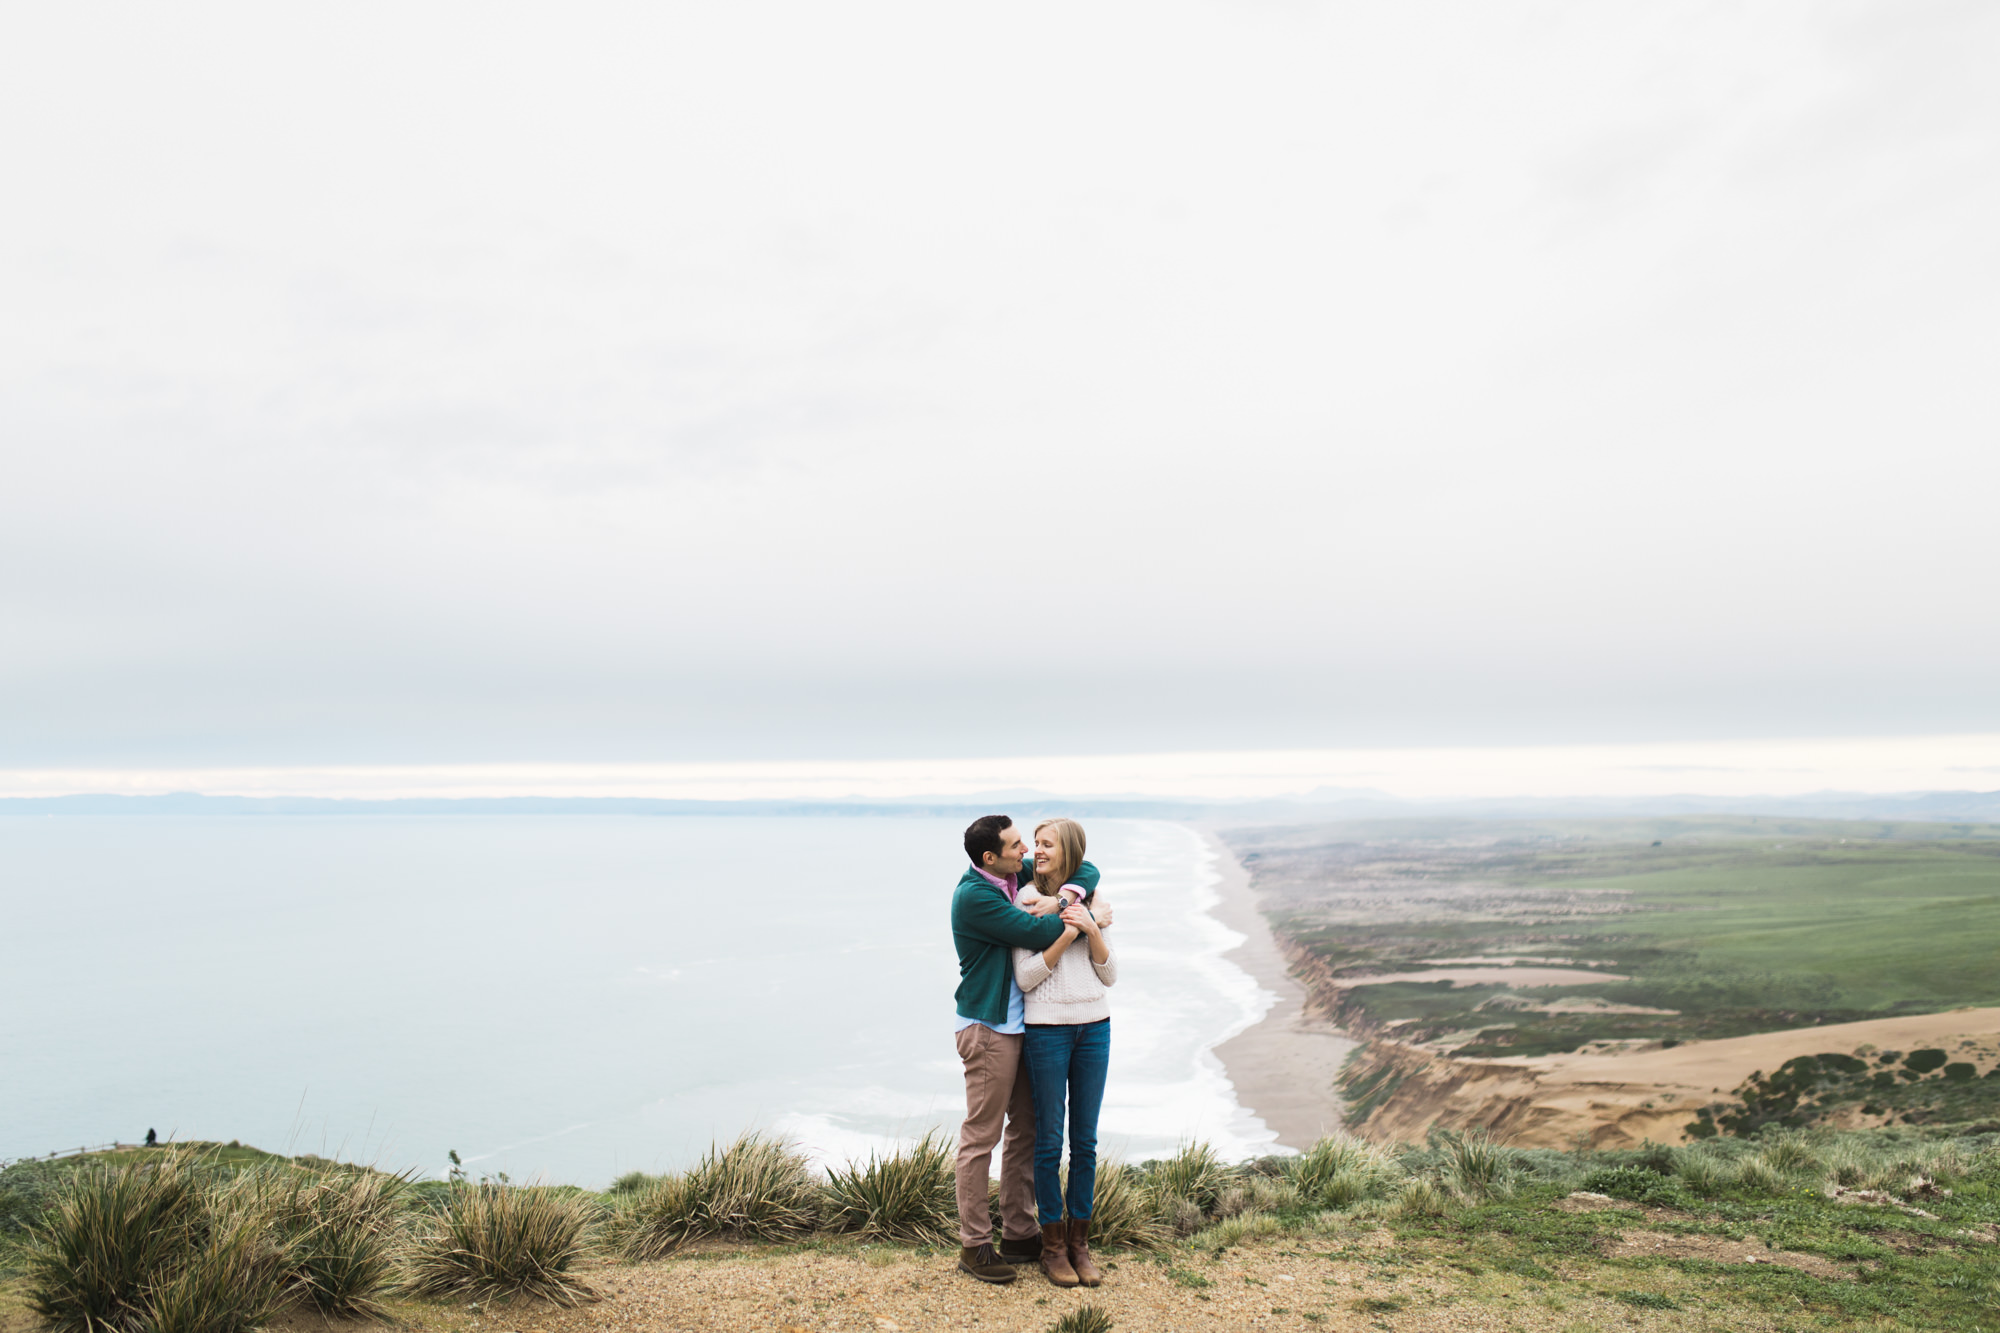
point(1012, 851)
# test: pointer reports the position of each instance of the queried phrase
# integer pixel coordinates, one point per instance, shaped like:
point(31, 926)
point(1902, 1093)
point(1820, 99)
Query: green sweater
point(986, 928)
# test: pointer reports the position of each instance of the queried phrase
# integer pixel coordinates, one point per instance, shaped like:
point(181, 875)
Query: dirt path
point(1284, 1284)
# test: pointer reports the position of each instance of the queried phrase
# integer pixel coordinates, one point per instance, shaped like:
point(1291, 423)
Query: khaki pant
point(996, 1089)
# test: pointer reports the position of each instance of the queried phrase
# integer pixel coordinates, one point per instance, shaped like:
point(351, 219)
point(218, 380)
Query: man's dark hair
point(982, 835)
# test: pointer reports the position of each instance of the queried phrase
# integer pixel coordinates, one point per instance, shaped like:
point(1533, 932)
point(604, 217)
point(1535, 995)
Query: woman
point(1067, 1051)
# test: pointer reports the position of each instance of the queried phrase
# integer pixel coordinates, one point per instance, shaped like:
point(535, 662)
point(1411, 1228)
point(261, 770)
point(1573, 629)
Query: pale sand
point(1620, 1099)
point(1283, 1068)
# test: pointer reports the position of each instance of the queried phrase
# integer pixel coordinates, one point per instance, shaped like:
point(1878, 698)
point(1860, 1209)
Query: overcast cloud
point(420, 382)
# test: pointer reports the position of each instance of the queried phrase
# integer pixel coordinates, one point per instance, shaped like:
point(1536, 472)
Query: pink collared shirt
point(1008, 886)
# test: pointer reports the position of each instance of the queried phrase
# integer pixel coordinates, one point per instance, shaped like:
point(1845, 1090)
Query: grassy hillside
point(1736, 926)
point(1869, 1231)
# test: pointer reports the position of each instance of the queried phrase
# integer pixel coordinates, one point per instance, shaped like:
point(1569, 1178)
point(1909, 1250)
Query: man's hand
point(1102, 915)
point(1040, 906)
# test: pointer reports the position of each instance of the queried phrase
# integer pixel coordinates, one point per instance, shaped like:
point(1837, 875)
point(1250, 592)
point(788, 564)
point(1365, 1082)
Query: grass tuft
point(340, 1230)
point(1340, 1171)
point(496, 1242)
point(153, 1247)
point(1083, 1319)
point(757, 1188)
point(1123, 1212)
point(910, 1196)
point(1476, 1167)
point(1194, 1173)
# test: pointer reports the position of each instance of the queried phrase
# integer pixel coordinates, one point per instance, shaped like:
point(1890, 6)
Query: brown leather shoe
point(984, 1264)
point(1026, 1250)
point(1055, 1255)
point(1080, 1261)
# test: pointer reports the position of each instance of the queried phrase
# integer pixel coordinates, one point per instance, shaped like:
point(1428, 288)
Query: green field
point(1737, 926)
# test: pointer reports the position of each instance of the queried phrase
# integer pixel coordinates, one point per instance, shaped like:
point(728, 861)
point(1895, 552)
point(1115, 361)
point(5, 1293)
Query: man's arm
point(997, 921)
point(1085, 878)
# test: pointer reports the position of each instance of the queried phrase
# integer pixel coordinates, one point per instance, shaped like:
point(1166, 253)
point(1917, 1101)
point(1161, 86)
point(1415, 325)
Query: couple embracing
point(1034, 1034)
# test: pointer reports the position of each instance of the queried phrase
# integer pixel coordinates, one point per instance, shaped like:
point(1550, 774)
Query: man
point(987, 926)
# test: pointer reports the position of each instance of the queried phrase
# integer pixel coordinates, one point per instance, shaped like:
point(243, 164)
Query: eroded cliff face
point(1398, 1094)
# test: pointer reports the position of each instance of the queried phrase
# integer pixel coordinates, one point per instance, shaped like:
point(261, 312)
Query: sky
point(667, 384)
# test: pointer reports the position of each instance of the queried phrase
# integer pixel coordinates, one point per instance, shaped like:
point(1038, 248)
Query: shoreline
point(1283, 1066)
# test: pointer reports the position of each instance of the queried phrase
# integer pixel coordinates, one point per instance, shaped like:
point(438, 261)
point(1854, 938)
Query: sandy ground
point(1622, 1098)
point(1282, 1284)
point(1284, 1067)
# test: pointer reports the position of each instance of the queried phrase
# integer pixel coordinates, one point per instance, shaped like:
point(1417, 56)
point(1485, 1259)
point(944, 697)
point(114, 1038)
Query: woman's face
point(1045, 848)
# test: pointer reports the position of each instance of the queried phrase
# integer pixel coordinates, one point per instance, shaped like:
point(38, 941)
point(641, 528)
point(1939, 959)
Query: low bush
point(153, 1247)
point(1194, 1173)
point(757, 1188)
point(1124, 1212)
point(1340, 1171)
point(340, 1229)
point(1477, 1168)
point(1703, 1173)
point(1638, 1185)
point(910, 1195)
point(501, 1241)
point(1083, 1319)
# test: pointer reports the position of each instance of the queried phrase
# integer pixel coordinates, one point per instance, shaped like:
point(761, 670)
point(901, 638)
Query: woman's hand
point(1079, 918)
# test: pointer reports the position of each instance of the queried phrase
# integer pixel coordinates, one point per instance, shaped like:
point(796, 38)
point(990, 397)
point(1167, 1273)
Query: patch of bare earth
point(1718, 1249)
point(1348, 1283)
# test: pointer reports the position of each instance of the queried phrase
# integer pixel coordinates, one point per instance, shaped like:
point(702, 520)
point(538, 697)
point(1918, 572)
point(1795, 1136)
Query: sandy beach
point(1284, 1067)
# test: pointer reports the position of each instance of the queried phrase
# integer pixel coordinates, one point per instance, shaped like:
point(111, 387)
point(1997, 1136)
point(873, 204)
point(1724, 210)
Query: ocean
point(555, 997)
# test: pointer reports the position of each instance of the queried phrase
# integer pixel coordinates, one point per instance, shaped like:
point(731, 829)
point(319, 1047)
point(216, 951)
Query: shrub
point(665, 1216)
point(1123, 1211)
point(1757, 1173)
point(500, 1241)
point(1194, 1173)
point(1702, 1173)
point(152, 1247)
point(1421, 1196)
point(1636, 1184)
point(1083, 1319)
point(1476, 1166)
point(339, 1229)
point(1791, 1154)
point(233, 1279)
point(632, 1182)
point(909, 1196)
point(758, 1187)
point(1340, 1171)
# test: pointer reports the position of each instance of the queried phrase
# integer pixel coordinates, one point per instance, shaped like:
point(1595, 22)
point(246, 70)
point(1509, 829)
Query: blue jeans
point(1066, 1062)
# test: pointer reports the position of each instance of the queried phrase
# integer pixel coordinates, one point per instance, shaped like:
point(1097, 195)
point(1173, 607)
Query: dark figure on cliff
point(152, 1139)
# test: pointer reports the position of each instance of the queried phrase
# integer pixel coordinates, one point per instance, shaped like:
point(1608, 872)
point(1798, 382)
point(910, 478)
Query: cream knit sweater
point(1075, 992)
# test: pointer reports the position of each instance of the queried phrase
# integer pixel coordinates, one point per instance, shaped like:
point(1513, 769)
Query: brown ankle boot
point(1055, 1255)
point(981, 1262)
point(1078, 1245)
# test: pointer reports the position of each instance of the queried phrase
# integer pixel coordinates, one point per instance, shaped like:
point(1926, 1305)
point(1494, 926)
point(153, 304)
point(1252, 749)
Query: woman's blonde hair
point(1069, 854)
